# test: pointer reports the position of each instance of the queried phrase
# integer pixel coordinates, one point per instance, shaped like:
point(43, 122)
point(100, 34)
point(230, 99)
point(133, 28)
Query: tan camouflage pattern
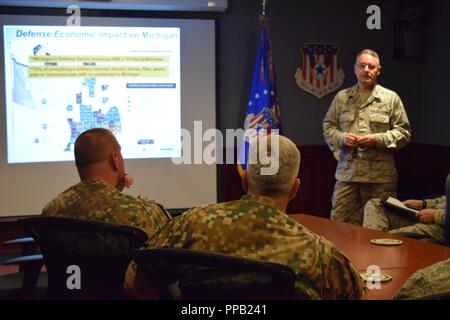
point(377, 217)
point(434, 279)
point(381, 114)
point(349, 199)
point(96, 200)
point(253, 228)
point(439, 204)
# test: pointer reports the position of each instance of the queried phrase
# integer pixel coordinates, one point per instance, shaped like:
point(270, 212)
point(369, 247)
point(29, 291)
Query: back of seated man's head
point(96, 148)
point(273, 166)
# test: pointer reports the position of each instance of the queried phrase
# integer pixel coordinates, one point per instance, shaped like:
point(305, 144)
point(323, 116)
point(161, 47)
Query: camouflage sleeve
point(439, 217)
point(331, 129)
point(50, 208)
point(172, 234)
point(341, 280)
point(400, 133)
point(149, 217)
point(439, 205)
point(431, 280)
point(414, 287)
point(436, 203)
point(45, 210)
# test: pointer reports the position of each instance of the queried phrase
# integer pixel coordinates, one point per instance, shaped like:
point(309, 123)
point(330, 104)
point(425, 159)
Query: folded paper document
point(397, 205)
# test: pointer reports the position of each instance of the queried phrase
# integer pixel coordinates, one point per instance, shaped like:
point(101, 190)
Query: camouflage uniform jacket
point(382, 115)
point(96, 200)
point(253, 228)
point(439, 205)
point(431, 280)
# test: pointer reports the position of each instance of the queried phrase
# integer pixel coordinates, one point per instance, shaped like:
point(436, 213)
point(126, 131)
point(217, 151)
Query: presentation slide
point(148, 80)
point(62, 81)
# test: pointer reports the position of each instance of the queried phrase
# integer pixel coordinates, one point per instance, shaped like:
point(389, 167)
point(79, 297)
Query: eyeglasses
point(364, 65)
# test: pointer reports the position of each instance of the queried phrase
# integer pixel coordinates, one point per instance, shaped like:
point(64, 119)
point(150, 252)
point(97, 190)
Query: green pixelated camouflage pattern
point(253, 228)
point(382, 114)
point(96, 200)
point(434, 279)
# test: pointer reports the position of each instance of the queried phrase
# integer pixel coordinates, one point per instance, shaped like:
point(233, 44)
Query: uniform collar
point(353, 91)
point(263, 199)
point(374, 95)
point(97, 182)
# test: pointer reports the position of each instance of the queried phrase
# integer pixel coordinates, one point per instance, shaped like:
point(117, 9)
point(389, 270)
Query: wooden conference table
point(398, 261)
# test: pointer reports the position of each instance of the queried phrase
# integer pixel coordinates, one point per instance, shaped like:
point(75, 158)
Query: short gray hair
point(288, 157)
point(371, 52)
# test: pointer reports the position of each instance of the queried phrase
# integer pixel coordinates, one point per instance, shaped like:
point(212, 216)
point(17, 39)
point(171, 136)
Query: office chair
point(84, 259)
point(214, 276)
point(28, 282)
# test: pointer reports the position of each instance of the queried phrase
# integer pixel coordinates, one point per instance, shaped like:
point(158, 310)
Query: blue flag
point(263, 112)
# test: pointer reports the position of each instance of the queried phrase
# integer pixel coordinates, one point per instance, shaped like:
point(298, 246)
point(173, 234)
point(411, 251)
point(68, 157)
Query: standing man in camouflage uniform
point(257, 227)
point(98, 196)
point(428, 222)
point(434, 279)
point(363, 127)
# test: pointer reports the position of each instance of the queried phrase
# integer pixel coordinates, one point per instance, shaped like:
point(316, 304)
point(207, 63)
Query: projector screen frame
point(39, 11)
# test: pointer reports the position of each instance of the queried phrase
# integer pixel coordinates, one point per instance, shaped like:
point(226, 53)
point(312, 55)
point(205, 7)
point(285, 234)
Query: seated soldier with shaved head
point(257, 227)
point(98, 195)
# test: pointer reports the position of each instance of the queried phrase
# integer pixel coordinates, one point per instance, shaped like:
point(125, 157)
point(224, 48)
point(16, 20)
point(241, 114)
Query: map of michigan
point(92, 119)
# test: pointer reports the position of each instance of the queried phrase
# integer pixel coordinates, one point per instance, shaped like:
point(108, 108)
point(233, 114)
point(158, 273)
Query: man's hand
point(426, 216)
point(414, 204)
point(367, 141)
point(128, 180)
point(350, 140)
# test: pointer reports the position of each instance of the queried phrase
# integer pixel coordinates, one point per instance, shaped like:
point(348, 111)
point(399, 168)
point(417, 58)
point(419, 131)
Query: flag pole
point(264, 17)
point(264, 8)
point(263, 107)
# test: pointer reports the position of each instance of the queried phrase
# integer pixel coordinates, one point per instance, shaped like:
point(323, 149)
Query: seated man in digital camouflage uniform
point(257, 227)
point(98, 195)
point(427, 223)
point(431, 280)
